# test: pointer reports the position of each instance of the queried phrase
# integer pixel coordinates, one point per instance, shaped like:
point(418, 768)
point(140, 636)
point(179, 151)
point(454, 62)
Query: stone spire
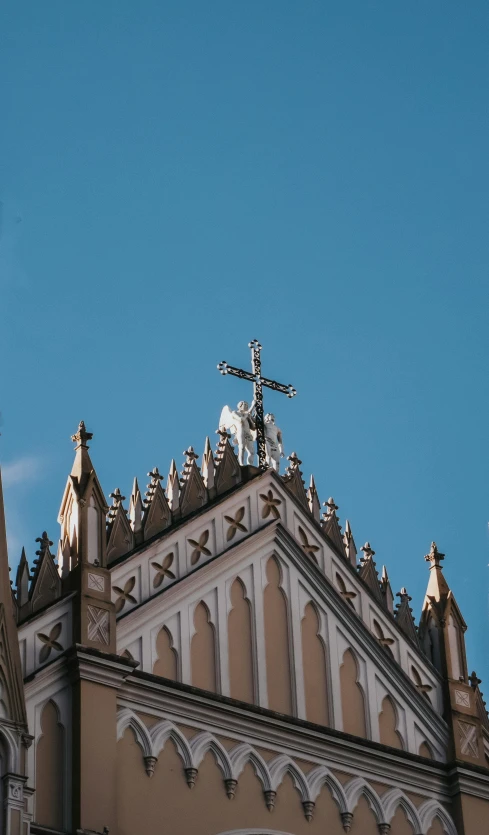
point(209, 468)
point(331, 525)
point(313, 500)
point(10, 664)
point(136, 512)
point(173, 489)
point(441, 635)
point(349, 543)
point(386, 590)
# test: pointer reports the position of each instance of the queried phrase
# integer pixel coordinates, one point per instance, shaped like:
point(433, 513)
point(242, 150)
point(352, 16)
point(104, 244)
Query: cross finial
point(116, 495)
point(81, 437)
point(434, 557)
point(45, 544)
point(403, 595)
point(474, 681)
point(368, 553)
point(295, 461)
point(330, 504)
point(155, 475)
point(190, 454)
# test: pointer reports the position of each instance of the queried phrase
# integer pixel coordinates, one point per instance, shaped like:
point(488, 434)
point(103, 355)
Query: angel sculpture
point(242, 425)
point(273, 442)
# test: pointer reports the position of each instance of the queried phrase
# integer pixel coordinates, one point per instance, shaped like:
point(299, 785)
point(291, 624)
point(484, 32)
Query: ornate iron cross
point(258, 381)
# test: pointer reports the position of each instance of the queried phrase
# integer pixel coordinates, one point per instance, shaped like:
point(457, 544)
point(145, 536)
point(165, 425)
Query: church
point(217, 658)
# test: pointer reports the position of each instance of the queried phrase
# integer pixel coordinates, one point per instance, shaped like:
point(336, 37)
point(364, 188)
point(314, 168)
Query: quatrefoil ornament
point(199, 547)
point(307, 546)
point(125, 595)
point(163, 570)
point(235, 524)
point(50, 642)
point(270, 505)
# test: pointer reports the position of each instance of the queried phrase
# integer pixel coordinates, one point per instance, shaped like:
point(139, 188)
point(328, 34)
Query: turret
point(441, 633)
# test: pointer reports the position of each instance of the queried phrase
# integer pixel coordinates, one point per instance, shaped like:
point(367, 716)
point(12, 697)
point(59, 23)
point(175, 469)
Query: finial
point(332, 507)
point(403, 595)
point(368, 553)
point(295, 461)
point(45, 544)
point(434, 557)
point(82, 436)
point(191, 455)
point(474, 681)
point(155, 474)
point(116, 495)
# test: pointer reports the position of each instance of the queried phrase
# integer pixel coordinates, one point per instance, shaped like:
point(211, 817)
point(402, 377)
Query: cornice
point(223, 716)
point(86, 664)
point(472, 780)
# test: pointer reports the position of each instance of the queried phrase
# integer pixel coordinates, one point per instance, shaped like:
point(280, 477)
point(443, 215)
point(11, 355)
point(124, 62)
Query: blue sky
point(179, 178)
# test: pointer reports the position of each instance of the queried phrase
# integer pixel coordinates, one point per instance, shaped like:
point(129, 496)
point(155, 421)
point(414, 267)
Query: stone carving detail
point(307, 547)
point(15, 791)
point(462, 698)
point(96, 582)
point(163, 570)
point(347, 820)
point(235, 524)
point(199, 547)
point(468, 739)
point(270, 505)
point(98, 624)
point(125, 595)
point(50, 642)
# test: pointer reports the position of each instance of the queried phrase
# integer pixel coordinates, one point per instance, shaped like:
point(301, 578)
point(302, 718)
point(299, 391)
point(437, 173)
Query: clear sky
point(178, 178)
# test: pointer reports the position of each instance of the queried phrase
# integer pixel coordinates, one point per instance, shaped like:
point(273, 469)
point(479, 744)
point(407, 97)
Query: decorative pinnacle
point(191, 455)
point(255, 345)
point(434, 557)
point(45, 544)
point(474, 681)
point(295, 461)
point(82, 436)
point(368, 553)
point(332, 507)
point(403, 595)
point(116, 495)
point(155, 475)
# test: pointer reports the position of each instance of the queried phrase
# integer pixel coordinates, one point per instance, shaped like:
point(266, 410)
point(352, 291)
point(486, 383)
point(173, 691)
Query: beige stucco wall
point(314, 665)
point(203, 650)
point(277, 642)
point(352, 700)
point(143, 804)
point(475, 815)
point(50, 770)
point(240, 645)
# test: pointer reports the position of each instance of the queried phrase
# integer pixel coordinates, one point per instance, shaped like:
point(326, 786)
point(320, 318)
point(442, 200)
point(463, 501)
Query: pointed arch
point(389, 724)
point(353, 791)
point(431, 809)
point(203, 742)
point(352, 696)
point(392, 799)
point(164, 730)
point(282, 765)
point(166, 664)
point(314, 667)
point(321, 776)
point(425, 750)
point(50, 768)
point(127, 719)
point(244, 753)
point(277, 640)
point(240, 642)
point(203, 650)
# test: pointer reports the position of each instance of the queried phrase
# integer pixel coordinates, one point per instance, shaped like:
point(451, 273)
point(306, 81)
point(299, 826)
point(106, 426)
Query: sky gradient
point(179, 178)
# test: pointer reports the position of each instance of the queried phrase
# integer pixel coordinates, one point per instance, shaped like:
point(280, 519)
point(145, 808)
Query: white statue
point(242, 426)
point(273, 441)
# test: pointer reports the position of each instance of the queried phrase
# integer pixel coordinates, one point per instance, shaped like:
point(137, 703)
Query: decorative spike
point(368, 553)
point(208, 466)
point(194, 492)
point(45, 583)
point(349, 543)
point(120, 537)
point(157, 515)
point(136, 511)
point(386, 590)
point(190, 457)
point(293, 480)
point(22, 580)
point(313, 500)
point(474, 681)
point(331, 525)
point(404, 616)
point(173, 488)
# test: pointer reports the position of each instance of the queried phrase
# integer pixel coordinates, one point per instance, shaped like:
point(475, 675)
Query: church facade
point(218, 660)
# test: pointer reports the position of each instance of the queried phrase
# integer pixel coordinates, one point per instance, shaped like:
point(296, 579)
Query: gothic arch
point(244, 753)
point(127, 719)
point(282, 765)
point(314, 666)
point(392, 799)
point(431, 809)
point(203, 742)
point(352, 690)
point(7, 739)
point(321, 776)
point(277, 639)
point(165, 730)
point(394, 727)
point(358, 786)
point(166, 664)
point(50, 768)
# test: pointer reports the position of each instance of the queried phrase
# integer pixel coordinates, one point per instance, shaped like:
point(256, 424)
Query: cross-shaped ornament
point(258, 381)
